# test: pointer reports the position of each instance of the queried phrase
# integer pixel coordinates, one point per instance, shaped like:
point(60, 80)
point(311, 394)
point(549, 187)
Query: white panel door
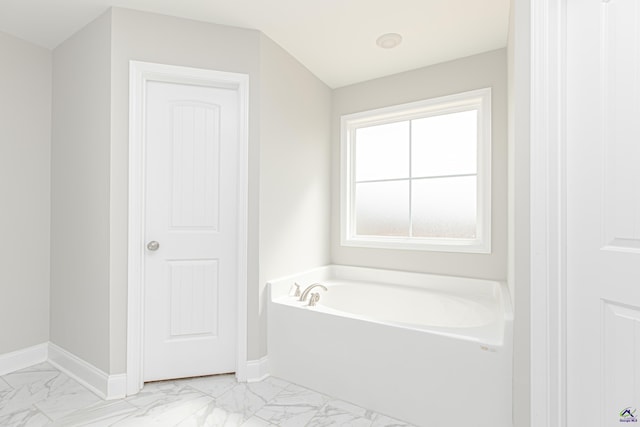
point(190, 230)
point(603, 212)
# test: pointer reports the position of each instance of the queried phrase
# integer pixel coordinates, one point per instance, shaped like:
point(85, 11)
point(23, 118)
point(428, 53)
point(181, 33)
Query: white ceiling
point(335, 39)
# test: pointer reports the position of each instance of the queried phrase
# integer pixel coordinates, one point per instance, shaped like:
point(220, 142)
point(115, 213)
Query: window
point(418, 175)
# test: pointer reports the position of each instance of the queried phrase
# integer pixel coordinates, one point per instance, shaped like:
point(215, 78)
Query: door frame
point(548, 167)
point(139, 74)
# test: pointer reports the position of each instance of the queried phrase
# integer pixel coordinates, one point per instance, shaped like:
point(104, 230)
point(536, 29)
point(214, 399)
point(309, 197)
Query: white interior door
point(191, 183)
point(603, 212)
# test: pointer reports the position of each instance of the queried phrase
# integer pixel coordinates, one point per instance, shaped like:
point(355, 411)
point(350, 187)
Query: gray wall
point(80, 194)
point(25, 135)
point(156, 38)
point(295, 149)
point(519, 54)
point(294, 142)
point(288, 201)
point(474, 72)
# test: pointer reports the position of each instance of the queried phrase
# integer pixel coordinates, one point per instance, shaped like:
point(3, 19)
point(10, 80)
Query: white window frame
point(477, 99)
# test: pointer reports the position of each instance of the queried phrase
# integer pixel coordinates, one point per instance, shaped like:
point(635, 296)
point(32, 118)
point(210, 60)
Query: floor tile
point(215, 385)
point(247, 399)
point(30, 417)
point(17, 400)
point(258, 422)
point(276, 382)
point(340, 413)
point(269, 388)
point(33, 375)
point(380, 420)
point(102, 414)
point(294, 406)
point(43, 396)
point(163, 392)
point(26, 387)
point(164, 403)
point(211, 415)
point(4, 386)
point(53, 393)
point(64, 396)
point(5, 392)
point(169, 414)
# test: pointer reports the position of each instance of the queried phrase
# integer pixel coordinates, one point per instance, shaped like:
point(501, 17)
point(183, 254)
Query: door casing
point(548, 167)
point(139, 74)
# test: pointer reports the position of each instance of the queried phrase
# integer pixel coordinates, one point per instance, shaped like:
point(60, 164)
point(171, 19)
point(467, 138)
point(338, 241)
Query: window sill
point(432, 245)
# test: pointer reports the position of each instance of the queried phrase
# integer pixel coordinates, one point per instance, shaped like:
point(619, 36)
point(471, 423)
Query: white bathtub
point(430, 350)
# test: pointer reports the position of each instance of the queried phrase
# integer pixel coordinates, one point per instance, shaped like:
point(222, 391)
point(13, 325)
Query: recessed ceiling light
point(389, 40)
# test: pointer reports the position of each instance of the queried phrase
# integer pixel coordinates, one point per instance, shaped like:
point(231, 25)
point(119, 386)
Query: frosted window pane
point(382, 152)
point(382, 209)
point(444, 207)
point(444, 145)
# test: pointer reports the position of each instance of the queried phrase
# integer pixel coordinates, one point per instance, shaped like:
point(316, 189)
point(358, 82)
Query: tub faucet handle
point(306, 292)
point(313, 299)
point(295, 290)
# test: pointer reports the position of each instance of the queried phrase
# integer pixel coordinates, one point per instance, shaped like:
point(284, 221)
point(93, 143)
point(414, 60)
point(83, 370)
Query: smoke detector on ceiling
point(389, 40)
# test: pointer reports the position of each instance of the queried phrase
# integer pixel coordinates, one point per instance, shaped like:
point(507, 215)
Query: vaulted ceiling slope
point(334, 39)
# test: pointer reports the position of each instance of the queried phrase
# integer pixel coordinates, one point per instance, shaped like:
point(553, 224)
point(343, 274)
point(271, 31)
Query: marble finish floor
point(41, 395)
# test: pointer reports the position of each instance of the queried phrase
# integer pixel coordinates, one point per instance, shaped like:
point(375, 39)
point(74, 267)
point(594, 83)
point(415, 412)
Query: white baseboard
point(104, 385)
point(257, 370)
point(96, 380)
point(24, 358)
point(116, 386)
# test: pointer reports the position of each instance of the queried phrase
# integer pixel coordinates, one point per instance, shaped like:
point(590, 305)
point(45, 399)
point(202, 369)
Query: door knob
point(153, 245)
